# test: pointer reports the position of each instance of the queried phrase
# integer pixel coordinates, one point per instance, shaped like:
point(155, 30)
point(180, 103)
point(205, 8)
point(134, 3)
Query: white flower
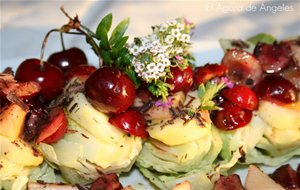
point(169, 39)
point(154, 50)
point(151, 67)
point(160, 67)
point(139, 66)
point(163, 27)
point(134, 50)
point(166, 62)
point(178, 50)
point(180, 26)
point(184, 38)
point(176, 33)
point(172, 22)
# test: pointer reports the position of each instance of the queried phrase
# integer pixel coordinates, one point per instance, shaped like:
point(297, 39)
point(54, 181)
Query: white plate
point(204, 52)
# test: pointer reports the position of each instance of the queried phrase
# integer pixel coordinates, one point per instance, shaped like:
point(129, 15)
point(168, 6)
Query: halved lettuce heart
point(87, 155)
point(91, 145)
point(198, 179)
point(165, 166)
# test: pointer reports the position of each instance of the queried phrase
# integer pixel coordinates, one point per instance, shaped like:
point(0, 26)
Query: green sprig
point(206, 94)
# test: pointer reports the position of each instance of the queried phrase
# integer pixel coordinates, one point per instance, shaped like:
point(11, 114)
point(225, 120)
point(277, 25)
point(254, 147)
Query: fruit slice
point(177, 131)
point(273, 57)
point(130, 121)
point(242, 96)
point(280, 117)
point(12, 120)
point(55, 129)
point(19, 152)
point(256, 180)
point(243, 67)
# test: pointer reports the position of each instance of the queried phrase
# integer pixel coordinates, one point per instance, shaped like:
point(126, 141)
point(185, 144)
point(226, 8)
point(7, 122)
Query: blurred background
point(24, 23)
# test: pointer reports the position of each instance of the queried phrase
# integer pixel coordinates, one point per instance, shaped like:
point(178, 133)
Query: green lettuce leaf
point(262, 38)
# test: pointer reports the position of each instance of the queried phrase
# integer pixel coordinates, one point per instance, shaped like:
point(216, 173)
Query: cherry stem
point(62, 41)
point(44, 45)
point(75, 24)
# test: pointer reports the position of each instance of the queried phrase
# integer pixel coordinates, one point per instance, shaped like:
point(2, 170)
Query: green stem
point(91, 41)
point(91, 33)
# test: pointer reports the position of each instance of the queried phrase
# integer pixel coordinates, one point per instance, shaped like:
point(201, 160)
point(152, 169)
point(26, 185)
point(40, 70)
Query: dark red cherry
point(273, 58)
point(242, 96)
point(243, 67)
point(182, 79)
point(208, 72)
point(68, 58)
point(276, 89)
point(110, 90)
point(130, 121)
point(50, 77)
point(80, 71)
point(231, 117)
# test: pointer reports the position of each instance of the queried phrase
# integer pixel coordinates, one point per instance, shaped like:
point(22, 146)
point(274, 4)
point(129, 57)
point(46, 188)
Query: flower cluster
point(167, 46)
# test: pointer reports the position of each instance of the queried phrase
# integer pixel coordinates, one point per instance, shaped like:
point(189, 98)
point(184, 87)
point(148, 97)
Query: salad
point(78, 126)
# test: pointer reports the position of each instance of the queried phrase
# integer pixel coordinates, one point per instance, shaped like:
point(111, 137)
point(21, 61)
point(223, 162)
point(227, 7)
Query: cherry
point(292, 73)
point(110, 90)
point(49, 77)
point(242, 96)
point(80, 71)
point(277, 89)
point(55, 129)
point(182, 79)
point(130, 121)
point(273, 58)
point(107, 182)
point(231, 117)
point(208, 72)
point(286, 176)
point(35, 118)
point(243, 67)
point(68, 58)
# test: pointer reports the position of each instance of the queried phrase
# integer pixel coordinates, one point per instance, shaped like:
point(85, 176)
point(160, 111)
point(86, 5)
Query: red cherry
point(242, 96)
point(68, 58)
point(80, 71)
point(243, 67)
point(273, 58)
point(208, 72)
point(130, 121)
point(110, 90)
point(231, 117)
point(55, 129)
point(107, 182)
point(182, 79)
point(49, 77)
point(277, 89)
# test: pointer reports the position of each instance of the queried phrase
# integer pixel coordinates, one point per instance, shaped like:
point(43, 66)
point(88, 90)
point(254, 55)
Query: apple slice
point(12, 119)
point(185, 185)
point(257, 180)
